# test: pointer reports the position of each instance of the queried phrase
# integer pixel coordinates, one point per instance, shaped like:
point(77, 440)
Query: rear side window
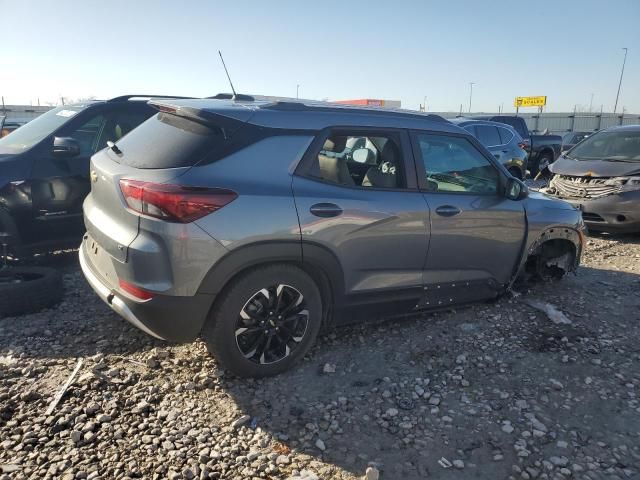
point(169, 141)
point(360, 159)
point(488, 135)
point(505, 135)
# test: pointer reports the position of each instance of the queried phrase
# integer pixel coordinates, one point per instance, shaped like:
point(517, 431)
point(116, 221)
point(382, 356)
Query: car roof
point(632, 128)
point(297, 114)
point(464, 121)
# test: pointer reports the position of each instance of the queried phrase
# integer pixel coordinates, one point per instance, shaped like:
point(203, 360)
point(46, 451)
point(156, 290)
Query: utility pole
point(620, 83)
point(591, 103)
point(297, 90)
point(471, 84)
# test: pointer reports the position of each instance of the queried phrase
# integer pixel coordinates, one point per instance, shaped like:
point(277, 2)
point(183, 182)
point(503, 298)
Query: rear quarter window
point(169, 141)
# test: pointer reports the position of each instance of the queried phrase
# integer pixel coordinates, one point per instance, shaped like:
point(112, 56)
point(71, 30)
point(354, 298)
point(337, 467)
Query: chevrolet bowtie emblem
point(94, 176)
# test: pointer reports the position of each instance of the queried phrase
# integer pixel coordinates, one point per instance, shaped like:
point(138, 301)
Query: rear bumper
point(172, 318)
point(615, 213)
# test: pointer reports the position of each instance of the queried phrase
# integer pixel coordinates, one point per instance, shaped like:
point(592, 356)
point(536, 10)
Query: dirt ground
point(492, 391)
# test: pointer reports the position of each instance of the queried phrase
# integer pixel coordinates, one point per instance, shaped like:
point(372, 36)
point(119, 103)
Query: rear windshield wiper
point(114, 147)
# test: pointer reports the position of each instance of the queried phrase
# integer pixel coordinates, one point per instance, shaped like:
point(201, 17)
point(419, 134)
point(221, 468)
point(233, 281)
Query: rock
point(434, 400)
point(391, 412)
point(75, 436)
point(238, 422)
point(283, 460)
point(320, 445)
point(103, 418)
point(507, 428)
point(556, 384)
point(329, 368)
point(372, 473)
point(559, 461)
point(459, 464)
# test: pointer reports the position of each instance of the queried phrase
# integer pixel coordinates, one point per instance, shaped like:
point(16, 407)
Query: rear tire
point(28, 289)
point(245, 331)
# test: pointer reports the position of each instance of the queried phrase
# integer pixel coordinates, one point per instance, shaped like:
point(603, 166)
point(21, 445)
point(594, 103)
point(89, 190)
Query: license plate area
point(101, 262)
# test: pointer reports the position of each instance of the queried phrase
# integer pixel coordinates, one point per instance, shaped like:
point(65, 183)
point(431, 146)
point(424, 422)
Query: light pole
point(620, 83)
point(471, 84)
point(591, 103)
point(297, 90)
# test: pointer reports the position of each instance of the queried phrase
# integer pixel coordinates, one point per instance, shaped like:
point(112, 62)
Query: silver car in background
point(255, 223)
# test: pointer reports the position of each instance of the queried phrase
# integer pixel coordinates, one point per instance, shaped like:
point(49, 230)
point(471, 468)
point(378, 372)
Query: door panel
point(476, 233)
point(380, 237)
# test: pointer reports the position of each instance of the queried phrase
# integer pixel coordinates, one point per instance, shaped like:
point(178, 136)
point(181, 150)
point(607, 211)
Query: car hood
point(594, 168)
point(538, 200)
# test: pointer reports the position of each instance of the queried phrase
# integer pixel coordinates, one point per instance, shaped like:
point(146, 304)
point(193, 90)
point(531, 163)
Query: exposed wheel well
point(552, 258)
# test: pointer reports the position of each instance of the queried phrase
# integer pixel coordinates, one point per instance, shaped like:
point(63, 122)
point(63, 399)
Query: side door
point(476, 233)
point(363, 206)
point(61, 181)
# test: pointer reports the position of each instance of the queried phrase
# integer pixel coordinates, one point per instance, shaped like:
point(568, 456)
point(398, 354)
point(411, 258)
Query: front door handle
point(447, 211)
point(325, 210)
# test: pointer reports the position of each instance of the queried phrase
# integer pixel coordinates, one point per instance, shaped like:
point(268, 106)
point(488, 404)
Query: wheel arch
point(317, 261)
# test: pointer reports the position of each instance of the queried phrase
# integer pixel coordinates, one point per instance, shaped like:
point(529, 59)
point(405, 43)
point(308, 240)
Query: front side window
point(488, 135)
point(87, 135)
point(453, 164)
point(120, 123)
point(370, 160)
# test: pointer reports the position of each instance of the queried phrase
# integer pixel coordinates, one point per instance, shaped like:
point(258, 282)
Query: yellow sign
point(530, 101)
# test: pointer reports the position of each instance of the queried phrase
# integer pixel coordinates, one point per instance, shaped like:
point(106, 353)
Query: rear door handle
point(325, 210)
point(447, 211)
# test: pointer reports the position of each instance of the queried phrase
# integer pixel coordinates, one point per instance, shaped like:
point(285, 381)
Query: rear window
point(169, 141)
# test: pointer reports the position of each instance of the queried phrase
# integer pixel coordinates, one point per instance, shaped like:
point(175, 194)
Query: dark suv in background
point(254, 223)
point(501, 140)
point(44, 169)
point(542, 149)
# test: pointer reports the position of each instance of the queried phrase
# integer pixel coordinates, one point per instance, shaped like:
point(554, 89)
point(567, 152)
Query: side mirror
point(65, 147)
point(515, 189)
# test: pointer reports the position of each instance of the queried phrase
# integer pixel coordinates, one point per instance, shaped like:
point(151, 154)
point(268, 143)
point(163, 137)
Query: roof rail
point(123, 98)
point(341, 108)
point(230, 96)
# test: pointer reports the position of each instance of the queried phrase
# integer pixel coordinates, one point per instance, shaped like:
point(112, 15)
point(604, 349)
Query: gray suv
point(256, 223)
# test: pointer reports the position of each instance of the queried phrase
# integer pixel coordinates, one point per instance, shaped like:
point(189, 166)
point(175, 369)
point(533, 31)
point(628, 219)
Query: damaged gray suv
point(255, 223)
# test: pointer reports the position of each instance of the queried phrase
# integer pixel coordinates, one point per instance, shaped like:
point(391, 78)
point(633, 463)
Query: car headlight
point(626, 184)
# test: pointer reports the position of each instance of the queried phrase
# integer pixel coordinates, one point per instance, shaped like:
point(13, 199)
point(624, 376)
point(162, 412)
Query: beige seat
point(334, 169)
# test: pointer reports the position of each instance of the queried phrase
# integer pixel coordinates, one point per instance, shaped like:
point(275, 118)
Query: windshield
point(37, 129)
point(613, 145)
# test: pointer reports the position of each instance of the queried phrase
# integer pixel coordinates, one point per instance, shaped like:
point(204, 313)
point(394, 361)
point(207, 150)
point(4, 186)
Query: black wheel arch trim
point(310, 256)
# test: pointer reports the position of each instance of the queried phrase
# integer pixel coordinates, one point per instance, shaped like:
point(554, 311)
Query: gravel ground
point(493, 391)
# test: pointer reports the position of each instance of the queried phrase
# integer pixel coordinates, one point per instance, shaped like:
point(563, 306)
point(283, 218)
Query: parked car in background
point(501, 140)
point(601, 176)
point(542, 149)
point(8, 126)
point(571, 139)
point(44, 169)
point(254, 223)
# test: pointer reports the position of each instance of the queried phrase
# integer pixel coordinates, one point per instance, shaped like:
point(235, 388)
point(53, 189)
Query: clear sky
point(565, 49)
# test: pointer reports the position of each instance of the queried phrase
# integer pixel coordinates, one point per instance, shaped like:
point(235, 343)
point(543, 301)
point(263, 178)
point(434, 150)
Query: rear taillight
point(522, 145)
point(134, 291)
point(174, 203)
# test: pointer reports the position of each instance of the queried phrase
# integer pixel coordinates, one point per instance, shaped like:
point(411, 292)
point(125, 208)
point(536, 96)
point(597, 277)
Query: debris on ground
point(552, 312)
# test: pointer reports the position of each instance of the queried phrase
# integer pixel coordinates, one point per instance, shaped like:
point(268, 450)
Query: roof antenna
point(227, 72)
